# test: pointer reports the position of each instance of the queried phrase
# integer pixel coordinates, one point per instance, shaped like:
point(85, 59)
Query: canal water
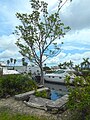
point(57, 90)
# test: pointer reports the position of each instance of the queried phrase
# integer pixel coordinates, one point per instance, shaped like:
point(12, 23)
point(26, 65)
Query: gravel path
point(20, 107)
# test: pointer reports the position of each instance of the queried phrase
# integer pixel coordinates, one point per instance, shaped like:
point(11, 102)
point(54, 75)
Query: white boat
point(59, 76)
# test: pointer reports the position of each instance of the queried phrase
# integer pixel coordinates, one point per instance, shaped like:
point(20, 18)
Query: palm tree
point(77, 67)
point(71, 64)
point(11, 60)
point(23, 61)
point(60, 65)
point(8, 62)
point(85, 64)
point(15, 61)
point(64, 65)
point(25, 64)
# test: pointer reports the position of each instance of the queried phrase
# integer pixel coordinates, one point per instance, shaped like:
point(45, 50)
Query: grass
point(7, 114)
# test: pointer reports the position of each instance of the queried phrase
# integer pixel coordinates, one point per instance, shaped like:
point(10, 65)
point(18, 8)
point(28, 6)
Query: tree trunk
point(42, 76)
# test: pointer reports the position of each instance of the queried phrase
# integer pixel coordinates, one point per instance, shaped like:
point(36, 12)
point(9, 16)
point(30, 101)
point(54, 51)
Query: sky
point(75, 14)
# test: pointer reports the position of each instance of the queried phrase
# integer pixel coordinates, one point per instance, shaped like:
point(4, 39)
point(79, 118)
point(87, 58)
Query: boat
point(59, 76)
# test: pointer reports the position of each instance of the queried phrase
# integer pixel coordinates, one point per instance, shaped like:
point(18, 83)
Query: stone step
point(25, 96)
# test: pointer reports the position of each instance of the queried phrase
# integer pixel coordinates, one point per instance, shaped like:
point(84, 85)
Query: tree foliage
point(79, 97)
point(38, 32)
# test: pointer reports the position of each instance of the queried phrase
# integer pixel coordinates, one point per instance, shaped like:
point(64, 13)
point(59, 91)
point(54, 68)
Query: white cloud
point(7, 42)
point(77, 58)
point(8, 47)
point(80, 37)
point(57, 59)
point(74, 48)
point(77, 14)
point(9, 9)
point(6, 54)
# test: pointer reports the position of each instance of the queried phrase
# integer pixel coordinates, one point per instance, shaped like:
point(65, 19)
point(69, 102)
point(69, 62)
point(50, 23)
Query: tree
point(70, 64)
point(85, 64)
point(8, 62)
point(60, 65)
point(79, 97)
point(77, 70)
point(38, 33)
point(64, 65)
point(23, 61)
point(77, 67)
point(11, 60)
point(15, 61)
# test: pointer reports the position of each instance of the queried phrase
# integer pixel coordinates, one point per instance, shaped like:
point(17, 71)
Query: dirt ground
point(20, 107)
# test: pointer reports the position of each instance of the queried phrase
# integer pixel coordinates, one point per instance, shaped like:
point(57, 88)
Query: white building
point(18, 69)
point(4, 69)
point(25, 69)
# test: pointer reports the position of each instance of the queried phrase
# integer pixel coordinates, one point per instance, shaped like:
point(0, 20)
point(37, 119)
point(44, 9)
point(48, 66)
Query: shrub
point(15, 84)
point(79, 97)
point(42, 94)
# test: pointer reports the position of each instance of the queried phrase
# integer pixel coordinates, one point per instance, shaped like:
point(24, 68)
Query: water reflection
point(55, 95)
point(57, 90)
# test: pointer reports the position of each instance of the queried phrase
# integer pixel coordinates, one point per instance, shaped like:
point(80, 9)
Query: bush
point(42, 94)
point(79, 98)
point(15, 84)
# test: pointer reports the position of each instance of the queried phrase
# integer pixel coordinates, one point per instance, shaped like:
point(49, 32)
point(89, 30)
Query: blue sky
point(76, 42)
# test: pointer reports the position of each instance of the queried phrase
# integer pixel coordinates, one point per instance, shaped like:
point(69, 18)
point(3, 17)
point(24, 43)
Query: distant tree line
point(85, 64)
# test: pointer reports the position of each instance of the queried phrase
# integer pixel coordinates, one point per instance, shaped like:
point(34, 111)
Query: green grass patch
point(7, 114)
